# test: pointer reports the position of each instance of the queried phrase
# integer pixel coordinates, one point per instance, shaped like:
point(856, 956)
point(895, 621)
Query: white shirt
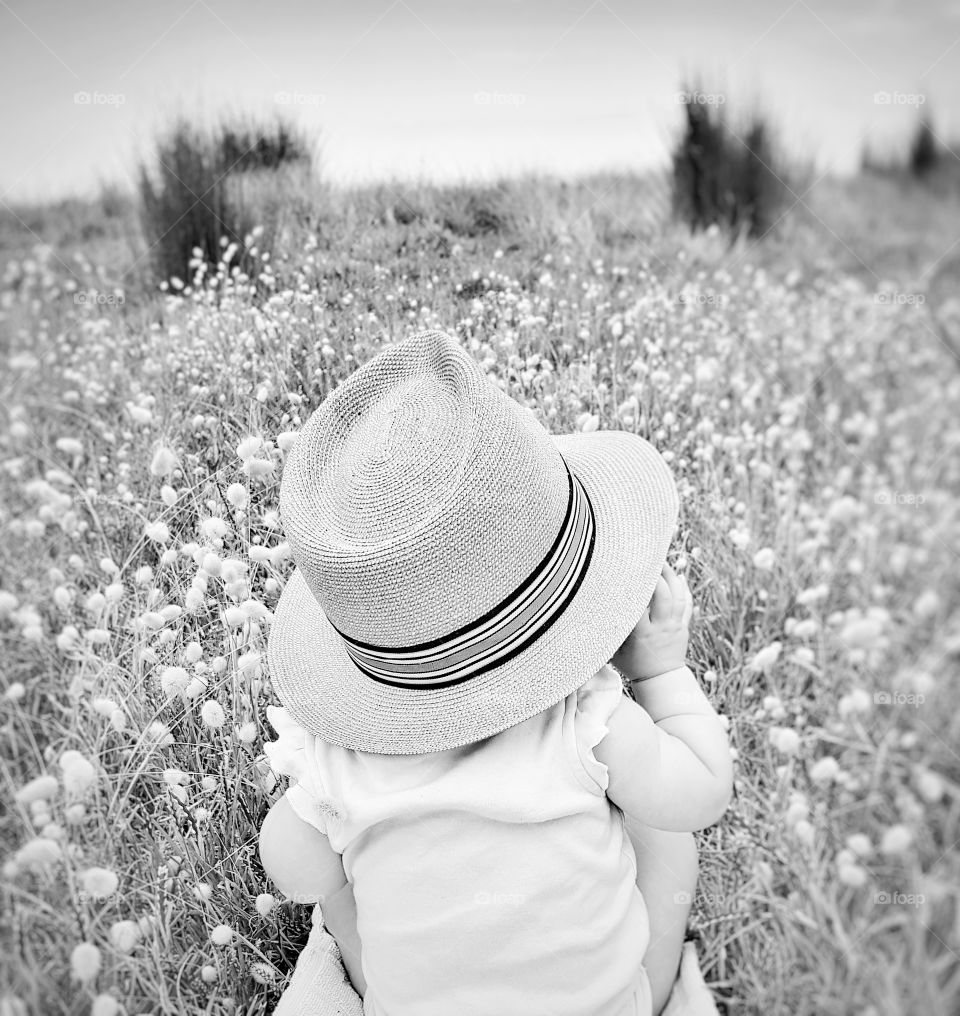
point(494, 879)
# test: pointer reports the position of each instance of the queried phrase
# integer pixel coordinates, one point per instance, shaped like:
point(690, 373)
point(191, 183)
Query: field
point(799, 388)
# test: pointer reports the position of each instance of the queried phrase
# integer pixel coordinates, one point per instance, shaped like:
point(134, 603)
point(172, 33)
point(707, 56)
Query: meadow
point(797, 385)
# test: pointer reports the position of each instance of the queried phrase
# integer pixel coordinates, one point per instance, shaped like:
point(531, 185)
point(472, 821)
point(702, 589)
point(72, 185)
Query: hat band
point(504, 631)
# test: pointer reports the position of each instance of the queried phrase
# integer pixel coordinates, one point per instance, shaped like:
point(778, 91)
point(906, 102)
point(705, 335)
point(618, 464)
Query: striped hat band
point(505, 630)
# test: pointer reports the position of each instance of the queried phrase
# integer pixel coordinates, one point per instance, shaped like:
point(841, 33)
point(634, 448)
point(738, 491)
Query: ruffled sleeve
point(291, 755)
point(595, 702)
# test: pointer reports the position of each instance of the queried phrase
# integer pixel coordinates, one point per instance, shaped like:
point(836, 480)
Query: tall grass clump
point(208, 187)
point(733, 177)
point(924, 149)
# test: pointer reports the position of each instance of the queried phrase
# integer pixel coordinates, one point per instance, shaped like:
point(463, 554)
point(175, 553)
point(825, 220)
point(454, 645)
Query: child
point(490, 824)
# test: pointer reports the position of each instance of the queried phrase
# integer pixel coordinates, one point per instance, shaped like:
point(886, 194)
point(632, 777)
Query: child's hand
point(658, 643)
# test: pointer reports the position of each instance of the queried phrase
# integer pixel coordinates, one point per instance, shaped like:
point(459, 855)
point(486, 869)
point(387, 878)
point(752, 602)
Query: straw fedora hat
point(458, 568)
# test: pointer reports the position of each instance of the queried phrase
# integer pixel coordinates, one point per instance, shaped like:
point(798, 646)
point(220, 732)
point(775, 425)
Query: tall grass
point(726, 175)
point(199, 194)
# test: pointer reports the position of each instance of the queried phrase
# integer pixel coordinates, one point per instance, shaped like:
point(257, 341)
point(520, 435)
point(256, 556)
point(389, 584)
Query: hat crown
point(419, 495)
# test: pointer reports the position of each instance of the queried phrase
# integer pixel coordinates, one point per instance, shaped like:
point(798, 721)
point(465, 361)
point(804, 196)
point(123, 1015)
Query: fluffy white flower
point(212, 714)
point(99, 882)
point(85, 961)
point(157, 531)
point(237, 495)
point(38, 789)
point(78, 773)
point(124, 935)
point(222, 934)
point(164, 462)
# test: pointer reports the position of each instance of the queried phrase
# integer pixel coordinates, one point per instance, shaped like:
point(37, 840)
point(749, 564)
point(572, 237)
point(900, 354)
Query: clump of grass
point(924, 149)
point(198, 193)
point(731, 177)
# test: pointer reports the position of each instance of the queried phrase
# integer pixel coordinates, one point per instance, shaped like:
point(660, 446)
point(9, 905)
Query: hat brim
point(635, 505)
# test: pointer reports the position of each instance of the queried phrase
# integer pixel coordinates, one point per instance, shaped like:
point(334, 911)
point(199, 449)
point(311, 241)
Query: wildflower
point(264, 903)
point(168, 556)
point(211, 564)
point(99, 882)
point(40, 852)
point(143, 576)
point(785, 740)
point(249, 447)
point(824, 769)
point(852, 875)
point(234, 617)
point(78, 773)
point(62, 597)
point(896, 840)
point(164, 462)
point(15, 692)
point(38, 789)
point(256, 468)
point(208, 973)
point(263, 973)
point(159, 732)
point(8, 603)
point(804, 832)
point(213, 528)
point(173, 680)
point(247, 733)
point(192, 652)
point(861, 632)
point(75, 813)
point(285, 440)
point(249, 663)
point(69, 639)
point(114, 592)
point(69, 446)
point(139, 414)
point(927, 605)
point(855, 702)
point(739, 538)
point(85, 961)
point(237, 495)
point(929, 785)
point(797, 810)
point(212, 714)
point(168, 495)
point(222, 934)
point(860, 844)
point(158, 532)
point(209, 784)
point(764, 559)
point(765, 658)
point(104, 1005)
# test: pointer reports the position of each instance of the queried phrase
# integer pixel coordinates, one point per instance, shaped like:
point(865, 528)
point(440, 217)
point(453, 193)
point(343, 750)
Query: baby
point(490, 825)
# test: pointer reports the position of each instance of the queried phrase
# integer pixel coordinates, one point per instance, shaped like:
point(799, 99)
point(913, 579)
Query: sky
point(407, 89)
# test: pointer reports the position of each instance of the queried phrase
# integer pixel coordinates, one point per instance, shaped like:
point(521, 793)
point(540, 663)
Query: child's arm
point(667, 755)
point(303, 865)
